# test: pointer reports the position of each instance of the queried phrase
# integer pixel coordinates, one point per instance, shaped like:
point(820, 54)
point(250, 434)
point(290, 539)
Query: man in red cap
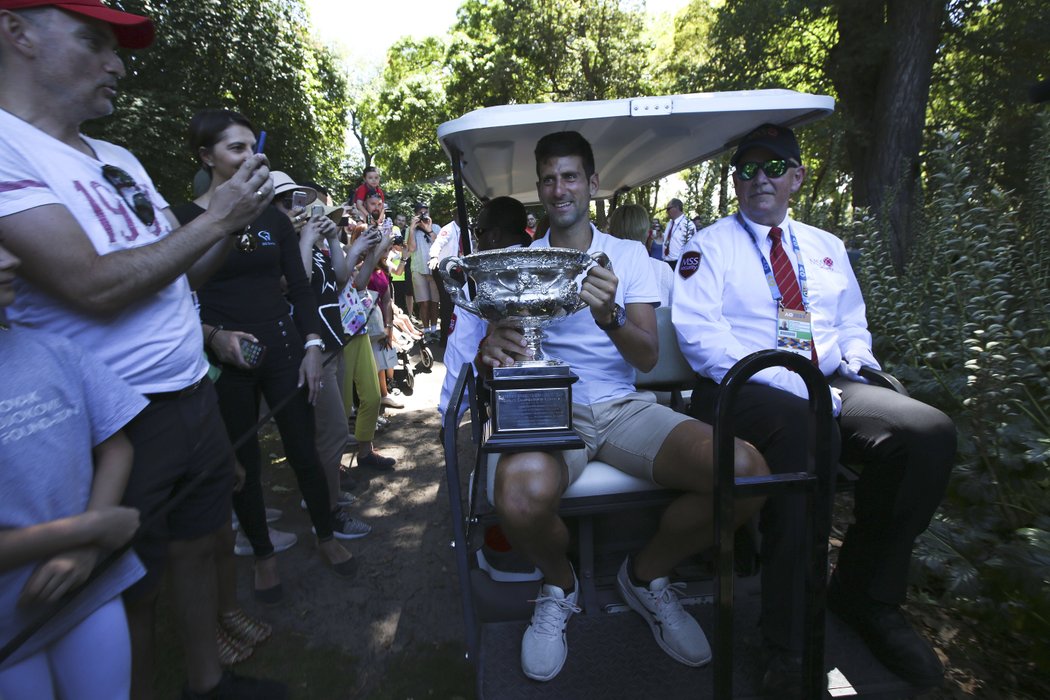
point(107, 265)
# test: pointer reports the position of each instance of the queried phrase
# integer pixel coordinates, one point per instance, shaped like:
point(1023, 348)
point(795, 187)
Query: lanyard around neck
point(774, 289)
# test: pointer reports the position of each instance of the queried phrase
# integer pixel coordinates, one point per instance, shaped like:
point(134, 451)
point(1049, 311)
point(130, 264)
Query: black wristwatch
point(619, 318)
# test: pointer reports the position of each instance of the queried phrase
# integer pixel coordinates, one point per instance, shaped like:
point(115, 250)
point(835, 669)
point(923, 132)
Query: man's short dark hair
point(563, 144)
point(509, 216)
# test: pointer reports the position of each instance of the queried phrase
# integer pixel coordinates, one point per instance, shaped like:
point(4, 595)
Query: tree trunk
point(881, 67)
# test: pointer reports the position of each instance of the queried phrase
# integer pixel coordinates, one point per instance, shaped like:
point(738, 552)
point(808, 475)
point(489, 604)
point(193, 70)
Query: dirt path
point(404, 600)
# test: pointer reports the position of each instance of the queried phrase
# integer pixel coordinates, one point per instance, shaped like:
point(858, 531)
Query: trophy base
point(531, 408)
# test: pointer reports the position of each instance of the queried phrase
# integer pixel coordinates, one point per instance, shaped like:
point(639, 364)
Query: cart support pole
point(817, 485)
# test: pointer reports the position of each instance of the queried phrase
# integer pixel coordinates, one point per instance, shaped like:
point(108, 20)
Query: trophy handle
point(600, 259)
point(454, 275)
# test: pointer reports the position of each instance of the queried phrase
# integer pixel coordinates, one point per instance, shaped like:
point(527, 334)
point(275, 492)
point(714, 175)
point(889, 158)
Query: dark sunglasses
point(124, 184)
point(772, 168)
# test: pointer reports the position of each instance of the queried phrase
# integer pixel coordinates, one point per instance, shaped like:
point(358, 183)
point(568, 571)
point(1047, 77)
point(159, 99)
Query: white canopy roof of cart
point(635, 140)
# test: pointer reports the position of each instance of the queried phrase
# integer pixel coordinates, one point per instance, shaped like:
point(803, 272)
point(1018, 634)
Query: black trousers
point(907, 449)
point(239, 392)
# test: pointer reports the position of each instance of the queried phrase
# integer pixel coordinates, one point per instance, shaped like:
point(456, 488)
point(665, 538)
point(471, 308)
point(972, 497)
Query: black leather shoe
point(783, 676)
point(888, 635)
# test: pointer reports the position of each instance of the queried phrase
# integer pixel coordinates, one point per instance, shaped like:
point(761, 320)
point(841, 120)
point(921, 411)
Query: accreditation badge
point(795, 332)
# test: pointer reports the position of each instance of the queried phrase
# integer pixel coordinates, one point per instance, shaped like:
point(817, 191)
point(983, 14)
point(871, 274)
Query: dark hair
point(319, 189)
point(508, 215)
point(565, 143)
point(369, 169)
point(207, 126)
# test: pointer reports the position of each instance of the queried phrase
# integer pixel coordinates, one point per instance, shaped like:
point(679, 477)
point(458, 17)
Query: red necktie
point(784, 274)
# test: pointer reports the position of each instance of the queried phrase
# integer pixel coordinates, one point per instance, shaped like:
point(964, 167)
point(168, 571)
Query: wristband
point(211, 336)
point(315, 343)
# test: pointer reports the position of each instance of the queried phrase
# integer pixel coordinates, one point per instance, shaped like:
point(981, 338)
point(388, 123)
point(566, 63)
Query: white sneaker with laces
point(676, 631)
point(543, 648)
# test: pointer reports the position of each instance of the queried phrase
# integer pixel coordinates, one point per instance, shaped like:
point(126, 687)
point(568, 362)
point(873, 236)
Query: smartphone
point(252, 352)
point(317, 210)
point(298, 199)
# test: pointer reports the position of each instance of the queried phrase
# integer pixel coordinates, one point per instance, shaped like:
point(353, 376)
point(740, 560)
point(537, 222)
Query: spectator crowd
point(142, 342)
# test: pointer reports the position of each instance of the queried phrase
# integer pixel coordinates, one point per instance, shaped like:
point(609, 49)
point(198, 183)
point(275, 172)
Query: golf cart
point(637, 141)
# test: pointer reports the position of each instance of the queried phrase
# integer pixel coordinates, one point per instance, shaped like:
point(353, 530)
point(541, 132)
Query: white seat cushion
point(598, 479)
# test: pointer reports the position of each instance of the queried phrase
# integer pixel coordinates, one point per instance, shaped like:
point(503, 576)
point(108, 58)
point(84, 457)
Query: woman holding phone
point(243, 307)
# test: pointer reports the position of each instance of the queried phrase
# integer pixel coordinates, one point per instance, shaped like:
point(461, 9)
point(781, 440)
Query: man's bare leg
point(686, 526)
point(195, 592)
point(528, 490)
point(141, 614)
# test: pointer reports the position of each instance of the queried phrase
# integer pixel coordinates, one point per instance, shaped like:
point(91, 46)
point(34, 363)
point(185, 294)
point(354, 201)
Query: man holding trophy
point(604, 345)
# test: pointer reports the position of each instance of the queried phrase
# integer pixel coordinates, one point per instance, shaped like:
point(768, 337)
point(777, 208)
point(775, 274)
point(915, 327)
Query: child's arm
point(71, 546)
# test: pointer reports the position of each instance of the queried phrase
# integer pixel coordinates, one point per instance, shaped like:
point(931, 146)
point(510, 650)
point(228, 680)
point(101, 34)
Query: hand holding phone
point(316, 210)
point(252, 353)
point(298, 200)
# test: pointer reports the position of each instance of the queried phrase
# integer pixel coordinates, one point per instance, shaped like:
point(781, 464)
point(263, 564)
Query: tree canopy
point(254, 56)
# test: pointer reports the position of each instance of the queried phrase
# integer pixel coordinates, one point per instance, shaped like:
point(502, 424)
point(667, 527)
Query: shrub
point(967, 329)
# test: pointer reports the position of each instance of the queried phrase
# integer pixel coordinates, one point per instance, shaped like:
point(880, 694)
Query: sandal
point(244, 628)
point(231, 651)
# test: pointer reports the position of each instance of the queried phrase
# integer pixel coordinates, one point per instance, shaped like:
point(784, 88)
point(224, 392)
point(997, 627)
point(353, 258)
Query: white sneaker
point(390, 402)
point(279, 539)
point(543, 648)
point(676, 631)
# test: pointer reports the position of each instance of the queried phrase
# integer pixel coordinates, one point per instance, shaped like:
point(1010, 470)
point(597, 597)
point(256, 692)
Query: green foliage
point(254, 56)
point(406, 109)
point(522, 51)
point(968, 330)
point(991, 54)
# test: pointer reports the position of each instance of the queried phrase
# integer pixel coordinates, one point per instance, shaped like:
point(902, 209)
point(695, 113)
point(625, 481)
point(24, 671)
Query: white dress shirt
point(678, 232)
point(446, 243)
point(723, 309)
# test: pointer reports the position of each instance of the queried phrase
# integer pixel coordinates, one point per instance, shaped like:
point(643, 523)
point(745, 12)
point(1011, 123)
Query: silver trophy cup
point(527, 288)
point(530, 289)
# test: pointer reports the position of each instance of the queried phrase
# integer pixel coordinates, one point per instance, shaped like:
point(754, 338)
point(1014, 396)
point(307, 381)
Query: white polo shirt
point(604, 373)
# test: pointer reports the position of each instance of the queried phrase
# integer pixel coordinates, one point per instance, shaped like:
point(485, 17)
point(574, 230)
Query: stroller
point(406, 346)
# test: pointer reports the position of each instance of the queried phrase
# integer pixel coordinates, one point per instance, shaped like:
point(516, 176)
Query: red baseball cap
point(132, 31)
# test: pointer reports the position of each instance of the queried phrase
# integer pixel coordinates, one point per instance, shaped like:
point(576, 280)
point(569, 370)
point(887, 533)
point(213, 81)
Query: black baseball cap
point(780, 140)
point(417, 206)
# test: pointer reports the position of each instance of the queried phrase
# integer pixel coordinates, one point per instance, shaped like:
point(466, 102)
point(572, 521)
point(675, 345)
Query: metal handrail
point(818, 492)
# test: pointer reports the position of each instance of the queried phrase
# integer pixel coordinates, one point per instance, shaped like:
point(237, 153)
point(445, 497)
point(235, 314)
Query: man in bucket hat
point(107, 265)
